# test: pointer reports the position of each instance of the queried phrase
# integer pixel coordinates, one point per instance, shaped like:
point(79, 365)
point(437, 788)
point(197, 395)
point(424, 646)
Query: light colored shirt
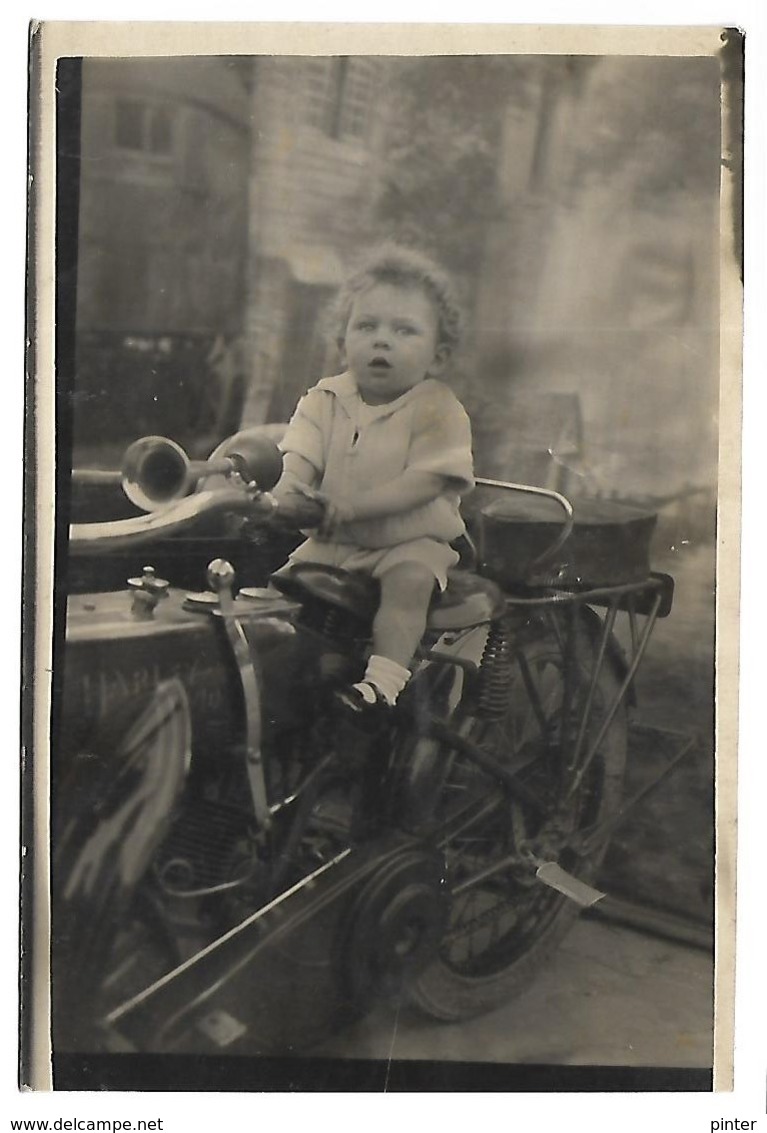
point(354, 446)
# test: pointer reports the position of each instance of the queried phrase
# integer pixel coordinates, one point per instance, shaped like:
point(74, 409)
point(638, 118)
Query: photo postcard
point(384, 389)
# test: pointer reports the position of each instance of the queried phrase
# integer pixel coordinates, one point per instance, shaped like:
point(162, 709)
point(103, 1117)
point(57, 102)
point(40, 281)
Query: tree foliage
point(646, 123)
point(438, 188)
point(654, 123)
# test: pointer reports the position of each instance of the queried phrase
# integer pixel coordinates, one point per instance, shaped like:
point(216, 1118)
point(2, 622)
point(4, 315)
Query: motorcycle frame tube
point(597, 595)
point(508, 779)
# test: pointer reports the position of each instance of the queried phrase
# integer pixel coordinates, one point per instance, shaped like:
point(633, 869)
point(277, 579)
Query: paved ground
point(610, 997)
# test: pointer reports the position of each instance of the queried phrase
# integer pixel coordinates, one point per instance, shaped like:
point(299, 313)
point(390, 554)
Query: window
point(143, 127)
point(339, 94)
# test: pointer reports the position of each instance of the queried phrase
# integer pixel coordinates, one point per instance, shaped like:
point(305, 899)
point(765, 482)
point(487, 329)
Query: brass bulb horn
point(157, 472)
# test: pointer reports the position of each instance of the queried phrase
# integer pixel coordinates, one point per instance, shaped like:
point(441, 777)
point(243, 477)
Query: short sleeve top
point(354, 446)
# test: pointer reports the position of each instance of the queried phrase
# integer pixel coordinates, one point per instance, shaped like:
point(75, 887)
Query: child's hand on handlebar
point(294, 508)
point(302, 506)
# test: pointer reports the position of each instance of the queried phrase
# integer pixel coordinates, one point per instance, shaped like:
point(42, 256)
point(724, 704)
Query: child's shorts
point(438, 557)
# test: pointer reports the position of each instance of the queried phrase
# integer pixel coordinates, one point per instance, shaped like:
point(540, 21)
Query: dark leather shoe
point(366, 714)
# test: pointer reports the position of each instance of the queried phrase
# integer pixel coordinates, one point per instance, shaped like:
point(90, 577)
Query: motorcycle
point(238, 868)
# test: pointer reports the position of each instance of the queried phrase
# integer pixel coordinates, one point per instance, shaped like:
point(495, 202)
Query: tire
point(518, 921)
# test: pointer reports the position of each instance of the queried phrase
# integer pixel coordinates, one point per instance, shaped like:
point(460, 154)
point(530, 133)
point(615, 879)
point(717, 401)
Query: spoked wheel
point(551, 732)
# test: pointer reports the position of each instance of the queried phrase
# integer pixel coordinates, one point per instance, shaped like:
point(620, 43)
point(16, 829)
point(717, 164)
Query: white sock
point(386, 676)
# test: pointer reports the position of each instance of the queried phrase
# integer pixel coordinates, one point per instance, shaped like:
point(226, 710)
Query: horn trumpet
point(157, 472)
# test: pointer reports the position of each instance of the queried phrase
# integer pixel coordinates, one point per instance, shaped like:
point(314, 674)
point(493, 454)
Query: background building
point(576, 200)
point(219, 198)
point(319, 127)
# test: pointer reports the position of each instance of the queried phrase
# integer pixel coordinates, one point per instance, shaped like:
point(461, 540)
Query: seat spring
point(331, 622)
point(494, 674)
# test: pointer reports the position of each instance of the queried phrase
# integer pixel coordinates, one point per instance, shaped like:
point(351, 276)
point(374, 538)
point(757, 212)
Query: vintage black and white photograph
point(382, 738)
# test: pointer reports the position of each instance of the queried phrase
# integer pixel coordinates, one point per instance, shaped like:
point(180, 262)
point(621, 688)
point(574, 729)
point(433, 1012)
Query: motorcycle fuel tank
point(119, 649)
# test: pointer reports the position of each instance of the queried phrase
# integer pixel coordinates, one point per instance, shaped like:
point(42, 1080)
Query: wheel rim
point(495, 921)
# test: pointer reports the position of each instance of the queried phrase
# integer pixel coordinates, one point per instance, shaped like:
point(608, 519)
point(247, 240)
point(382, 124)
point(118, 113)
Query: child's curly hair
point(401, 267)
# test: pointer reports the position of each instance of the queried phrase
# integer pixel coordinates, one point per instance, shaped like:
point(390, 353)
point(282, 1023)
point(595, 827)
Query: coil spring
point(323, 618)
point(332, 622)
point(494, 674)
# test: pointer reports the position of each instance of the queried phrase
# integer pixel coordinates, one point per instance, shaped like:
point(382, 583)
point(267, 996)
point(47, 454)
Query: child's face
point(391, 341)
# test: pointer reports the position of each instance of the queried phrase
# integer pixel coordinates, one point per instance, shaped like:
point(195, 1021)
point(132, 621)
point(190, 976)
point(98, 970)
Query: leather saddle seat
point(468, 600)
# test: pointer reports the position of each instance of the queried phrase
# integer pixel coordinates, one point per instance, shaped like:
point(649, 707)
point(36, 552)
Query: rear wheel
point(504, 922)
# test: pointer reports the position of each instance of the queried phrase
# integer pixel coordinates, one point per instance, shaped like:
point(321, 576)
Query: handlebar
point(98, 538)
point(238, 494)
